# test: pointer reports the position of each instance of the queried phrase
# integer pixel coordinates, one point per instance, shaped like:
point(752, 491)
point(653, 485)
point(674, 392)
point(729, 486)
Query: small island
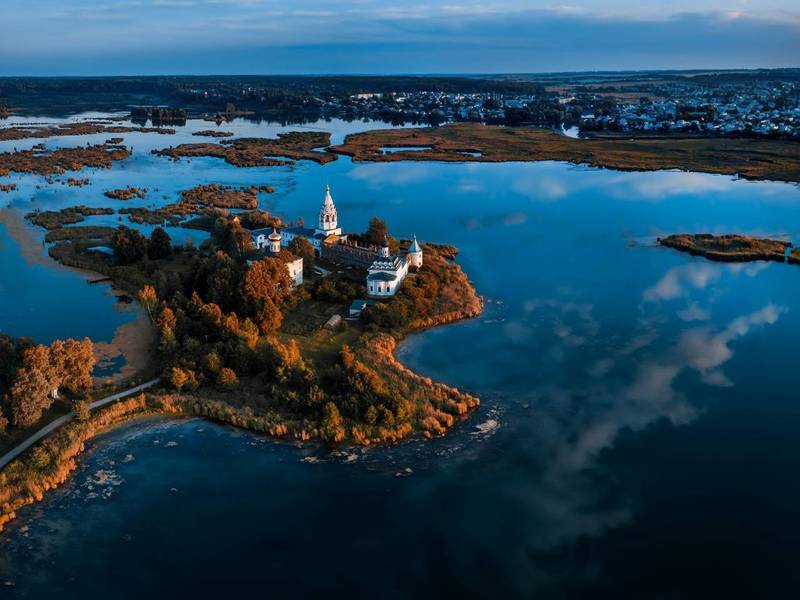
point(42, 161)
point(259, 152)
point(215, 133)
point(126, 193)
point(732, 247)
point(22, 132)
point(286, 330)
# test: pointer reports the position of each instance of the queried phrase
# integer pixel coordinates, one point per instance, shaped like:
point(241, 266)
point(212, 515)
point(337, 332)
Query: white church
point(272, 243)
point(385, 272)
point(388, 271)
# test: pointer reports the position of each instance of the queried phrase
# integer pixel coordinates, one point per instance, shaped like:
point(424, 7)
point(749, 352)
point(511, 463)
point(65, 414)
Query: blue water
point(637, 435)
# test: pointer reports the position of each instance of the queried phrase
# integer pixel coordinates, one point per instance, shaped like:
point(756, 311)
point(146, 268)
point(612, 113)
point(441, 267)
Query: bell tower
point(328, 219)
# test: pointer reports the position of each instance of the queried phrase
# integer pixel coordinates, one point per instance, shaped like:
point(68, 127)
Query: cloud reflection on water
point(628, 385)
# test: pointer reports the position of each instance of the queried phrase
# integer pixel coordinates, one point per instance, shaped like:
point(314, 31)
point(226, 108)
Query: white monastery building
point(272, 244)
point(388, 271)
point(385, 272)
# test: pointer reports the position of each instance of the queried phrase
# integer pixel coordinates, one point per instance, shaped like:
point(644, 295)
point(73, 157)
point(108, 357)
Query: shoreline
point(437, 408)
point(132, 340)
point(22, 486)
point(746, 158)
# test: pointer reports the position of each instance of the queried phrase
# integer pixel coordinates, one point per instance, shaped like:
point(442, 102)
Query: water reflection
point(595, 359)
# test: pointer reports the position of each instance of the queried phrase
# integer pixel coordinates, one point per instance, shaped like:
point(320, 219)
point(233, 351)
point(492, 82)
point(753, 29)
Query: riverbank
point(776, 160)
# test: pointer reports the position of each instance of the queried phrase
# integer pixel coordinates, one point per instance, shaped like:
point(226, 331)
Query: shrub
point(332, 426)
point(81, 408)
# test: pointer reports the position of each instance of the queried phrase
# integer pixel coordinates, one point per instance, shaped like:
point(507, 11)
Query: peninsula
point(259, 331)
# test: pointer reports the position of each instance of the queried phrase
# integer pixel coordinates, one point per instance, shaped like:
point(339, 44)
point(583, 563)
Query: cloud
point(704, 350)
point(693, 312)
point(660, 185)
point(308, 36)
point(541, 188)
point(678, 280)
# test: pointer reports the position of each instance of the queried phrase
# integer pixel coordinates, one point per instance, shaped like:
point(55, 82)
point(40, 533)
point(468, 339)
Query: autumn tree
point(264, 287)
point(81, 408)
point(160, 245)
point(166, 324)
point(77, 363)
point(149, 300)
point(32, 387)
point(227, 379)
point(177, 378)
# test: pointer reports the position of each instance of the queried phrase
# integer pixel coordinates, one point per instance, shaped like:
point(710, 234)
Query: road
point(51, 427)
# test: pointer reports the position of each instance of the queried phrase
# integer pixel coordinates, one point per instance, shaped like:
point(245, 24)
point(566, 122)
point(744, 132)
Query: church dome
point(274, 236)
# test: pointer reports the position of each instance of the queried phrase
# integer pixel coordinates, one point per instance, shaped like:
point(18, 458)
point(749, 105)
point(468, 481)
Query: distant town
point(762, 103)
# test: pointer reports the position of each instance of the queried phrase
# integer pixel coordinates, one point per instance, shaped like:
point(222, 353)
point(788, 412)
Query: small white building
point(386, 273)
point(294, 264)
point(414, 254)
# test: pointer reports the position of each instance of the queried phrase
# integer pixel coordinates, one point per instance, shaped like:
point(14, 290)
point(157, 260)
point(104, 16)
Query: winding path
point(51, 427)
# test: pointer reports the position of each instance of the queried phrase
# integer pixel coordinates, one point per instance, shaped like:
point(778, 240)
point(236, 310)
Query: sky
point(149, 37)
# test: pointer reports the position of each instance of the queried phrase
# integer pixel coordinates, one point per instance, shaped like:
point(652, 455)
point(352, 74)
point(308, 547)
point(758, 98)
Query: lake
point(637, 435)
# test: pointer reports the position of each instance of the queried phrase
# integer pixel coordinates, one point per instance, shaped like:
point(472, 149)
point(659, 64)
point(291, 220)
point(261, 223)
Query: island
point(43, 161)
point(126, 193)
point(22, 132)
point(215, 133)
point(749, 158)
point(260, 152)
point(286, 330)
point(732, 247)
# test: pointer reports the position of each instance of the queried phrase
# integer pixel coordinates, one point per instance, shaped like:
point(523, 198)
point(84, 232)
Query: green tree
point(129, 245)
point(233, 239)
point(377, 231)
point(332, 426)
point(301, 247)
point(160, 245)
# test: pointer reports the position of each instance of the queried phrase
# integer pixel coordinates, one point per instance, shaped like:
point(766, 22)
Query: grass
point(749, 158)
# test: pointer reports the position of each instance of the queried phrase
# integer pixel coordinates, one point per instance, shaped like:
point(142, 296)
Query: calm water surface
point(637, 437)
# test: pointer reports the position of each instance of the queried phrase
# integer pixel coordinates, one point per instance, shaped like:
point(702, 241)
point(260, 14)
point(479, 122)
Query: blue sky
point(97, 37)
